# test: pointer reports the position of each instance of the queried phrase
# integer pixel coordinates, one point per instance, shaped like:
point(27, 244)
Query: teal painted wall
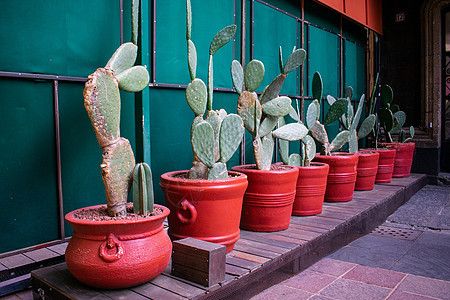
point(67, 38)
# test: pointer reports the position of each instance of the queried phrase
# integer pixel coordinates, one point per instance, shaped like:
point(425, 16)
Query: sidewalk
point(408, 257)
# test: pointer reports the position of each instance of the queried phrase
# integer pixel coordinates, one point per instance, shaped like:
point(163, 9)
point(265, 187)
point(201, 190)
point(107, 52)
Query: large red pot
point(311, 187)
point(207, 210)
point(367, 170)
point(403, 158)
point(269, 197)
point(385, 165)
point(341, 177)
point(118, 253)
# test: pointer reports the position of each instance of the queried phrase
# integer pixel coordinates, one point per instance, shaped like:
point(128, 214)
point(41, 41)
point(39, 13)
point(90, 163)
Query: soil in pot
point(403, 158)
point(341, 177)
point(367, 170)
point(269, 197)
point(310, 190)
point(208, 210)
point(114, 253)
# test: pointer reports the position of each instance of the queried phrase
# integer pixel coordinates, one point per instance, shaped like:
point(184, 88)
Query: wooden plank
point(242, 247)
point(263, 246)
point(263, 237)
point(242, 263)
point(59, 248)
point(16, 261)
point(177, 286)
point(280, 237)
point(299, 233)
point(124, 294)
point(41, 254)
point(248, 256)
point(235, 270)
point(152, 291)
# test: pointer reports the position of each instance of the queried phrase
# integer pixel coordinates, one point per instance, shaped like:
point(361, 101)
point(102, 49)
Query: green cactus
point(261, 115)
point(143, 199)
point(336, 110)
point(215, 138)
point(102, 103)
point(350, 120)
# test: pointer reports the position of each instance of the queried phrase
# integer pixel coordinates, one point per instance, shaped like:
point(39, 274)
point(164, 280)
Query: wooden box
point(199, 261)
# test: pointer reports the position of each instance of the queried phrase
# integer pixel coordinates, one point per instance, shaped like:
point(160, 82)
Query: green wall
point(67, 38)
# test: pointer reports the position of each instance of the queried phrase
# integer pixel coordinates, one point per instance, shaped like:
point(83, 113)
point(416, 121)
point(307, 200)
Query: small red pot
point(341, 177)
point(208, 210)
point(403, 158)
point(367, 170)
point(311, 187)
point(269, 198)
point(385, 165)
point(119, 253)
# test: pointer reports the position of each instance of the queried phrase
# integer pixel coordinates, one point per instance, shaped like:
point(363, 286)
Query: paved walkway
point(408, 257)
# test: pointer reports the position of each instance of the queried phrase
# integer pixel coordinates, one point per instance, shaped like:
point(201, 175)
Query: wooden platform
point(255, 255)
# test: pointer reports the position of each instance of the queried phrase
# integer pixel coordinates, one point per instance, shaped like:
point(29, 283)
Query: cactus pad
point(222, 38)
point(273, 89)
point(143, 198)
point(291, 132)
point(319, 133)
point(283, 146)
point(317, 87)
point(366, 126)
point(267, 125)
point(295, 160)
point(253, 75)
point(312, 114)
point(134, 79)
point(353, 142)
point(278, 107)
point(123, 58)
point(386, 95)
point(196, 96)
point(237, 75)
point(401, 119)
point(218, 171)
point(192, 59)
point(231, 132)
point(263, 148)
point(340, 140)
point(335, 111)
point(198, 170)
point(294, 61)
point(246, 110)
point(203, 143)
point(386, 118)
point(310, 148)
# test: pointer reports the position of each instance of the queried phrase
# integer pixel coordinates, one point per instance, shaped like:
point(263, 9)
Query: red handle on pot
point(186, 206)
point(111, 242)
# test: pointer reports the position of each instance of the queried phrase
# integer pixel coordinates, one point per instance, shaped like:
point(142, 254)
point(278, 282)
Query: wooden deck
point(256, 254)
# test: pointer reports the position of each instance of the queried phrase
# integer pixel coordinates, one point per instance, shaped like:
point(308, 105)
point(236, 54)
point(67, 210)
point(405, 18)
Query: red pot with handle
point(269, 197)
point(341, 177)
point(208, 210)
point(367, 170)
point(118, 253)
point(385, 165)
point(403, 158)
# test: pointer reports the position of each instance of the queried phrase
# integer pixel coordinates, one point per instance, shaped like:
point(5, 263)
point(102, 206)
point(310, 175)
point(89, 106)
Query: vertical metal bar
point(302, 68)
point(121, 21)
point(234, 22)
point(153, 79)
point(252, 29)
point(243, 31)
point(341, 59)
point(58, 160)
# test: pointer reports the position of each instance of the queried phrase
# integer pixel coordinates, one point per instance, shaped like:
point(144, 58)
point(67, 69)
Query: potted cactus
point(121, 244)
point(342, 174)
point(270, 194)
point(312, 176)
point(368, 160)
point(392, 120)
point(206, 201)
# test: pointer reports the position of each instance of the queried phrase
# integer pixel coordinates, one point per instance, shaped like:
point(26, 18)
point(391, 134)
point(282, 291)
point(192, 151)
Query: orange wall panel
point(334, 4)
point(374, 15)
point(356, 10)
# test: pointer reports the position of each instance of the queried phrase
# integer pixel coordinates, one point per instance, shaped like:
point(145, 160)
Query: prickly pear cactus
point(215, 138)
point(102, 103)
point(336, 110)
point(262, 115)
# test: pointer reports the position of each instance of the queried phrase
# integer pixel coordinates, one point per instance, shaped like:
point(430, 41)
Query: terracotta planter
point(120, 253)
point(367, 170)
point(403, 158)
point(311, 187)
point(208, 210)
point(385, 165)
point(269, 198)
point(341, 177)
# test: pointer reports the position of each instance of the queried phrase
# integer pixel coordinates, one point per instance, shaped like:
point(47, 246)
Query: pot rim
point(313, 165)
point(379, 149)
point(169, 176)
point(251, 170)
point(71, 219)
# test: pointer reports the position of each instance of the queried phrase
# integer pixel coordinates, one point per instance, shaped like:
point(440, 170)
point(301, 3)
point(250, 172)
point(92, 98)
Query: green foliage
point(260, 116)
point(217, 136)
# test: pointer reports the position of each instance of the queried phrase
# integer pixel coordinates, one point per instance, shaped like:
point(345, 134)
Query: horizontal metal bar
point(279, 10)
point(183, 86)
point(337, 34)
point(41, 76)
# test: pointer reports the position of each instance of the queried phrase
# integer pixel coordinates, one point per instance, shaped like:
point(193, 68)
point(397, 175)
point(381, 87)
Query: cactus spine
point(337, 109)
point(102, 103)
point(215, 138)
point(262, 115)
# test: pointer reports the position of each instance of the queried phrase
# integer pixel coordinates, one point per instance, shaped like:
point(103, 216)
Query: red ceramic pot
point(207, 210)
point(269, 198)
point(341, 177)
point(118, 253)
point(311, 187)
point(385, 165)
point(367, 170)
point(403, 158)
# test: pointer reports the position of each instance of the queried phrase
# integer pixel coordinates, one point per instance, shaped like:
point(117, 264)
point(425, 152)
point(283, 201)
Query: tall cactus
point(215, 138)
point(102, 103)
point(143, 197)
point(317, 130)
point(392, 118)
point(261, 115)
point(350, 121)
